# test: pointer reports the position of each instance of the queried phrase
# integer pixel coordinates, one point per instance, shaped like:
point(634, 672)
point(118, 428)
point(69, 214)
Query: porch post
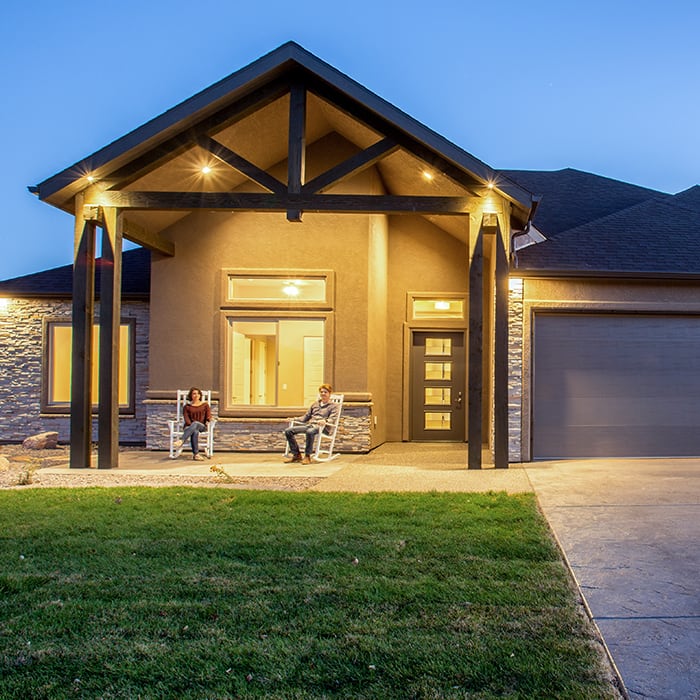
point(476, 346)
point(500, 388)
point(110, 313)
point(82, 320)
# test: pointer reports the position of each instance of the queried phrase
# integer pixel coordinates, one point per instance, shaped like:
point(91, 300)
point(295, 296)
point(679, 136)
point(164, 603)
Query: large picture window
point(57, 367)
point(274, 362)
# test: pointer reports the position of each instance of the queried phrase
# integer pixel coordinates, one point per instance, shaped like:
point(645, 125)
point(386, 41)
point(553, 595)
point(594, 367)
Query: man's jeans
point(191, 433)
point(311, 431)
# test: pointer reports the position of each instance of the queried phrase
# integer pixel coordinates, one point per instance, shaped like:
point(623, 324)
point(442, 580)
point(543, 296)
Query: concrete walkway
point(630, 530)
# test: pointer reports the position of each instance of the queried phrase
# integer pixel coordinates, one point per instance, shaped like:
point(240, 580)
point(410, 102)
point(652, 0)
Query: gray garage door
point(615, 385)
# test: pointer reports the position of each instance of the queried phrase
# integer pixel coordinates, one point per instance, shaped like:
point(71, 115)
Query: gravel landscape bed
point(23, 468)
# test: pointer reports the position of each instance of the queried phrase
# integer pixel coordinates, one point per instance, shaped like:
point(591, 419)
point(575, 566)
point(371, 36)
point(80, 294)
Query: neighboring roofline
point(256, 73)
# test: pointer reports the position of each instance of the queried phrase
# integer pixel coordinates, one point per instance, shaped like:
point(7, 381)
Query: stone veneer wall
point(515, 369)
point(21, 355)
point(257, 434)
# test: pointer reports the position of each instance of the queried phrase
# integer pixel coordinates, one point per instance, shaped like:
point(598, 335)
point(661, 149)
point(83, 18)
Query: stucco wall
point(21, 352)
point(422, 258)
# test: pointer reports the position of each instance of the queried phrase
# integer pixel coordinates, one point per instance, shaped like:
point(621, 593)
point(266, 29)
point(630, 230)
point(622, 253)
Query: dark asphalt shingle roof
point(571, 197)
point(594, 224)
point(58, 282)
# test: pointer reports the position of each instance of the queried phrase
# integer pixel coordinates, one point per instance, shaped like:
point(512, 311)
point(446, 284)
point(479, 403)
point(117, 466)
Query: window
point(274, 362)
point(57, 367)
point(278, 289)
point(277, 332)
point(437, 308)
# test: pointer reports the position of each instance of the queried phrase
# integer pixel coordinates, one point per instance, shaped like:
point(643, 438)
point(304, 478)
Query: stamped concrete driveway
point(631, 532)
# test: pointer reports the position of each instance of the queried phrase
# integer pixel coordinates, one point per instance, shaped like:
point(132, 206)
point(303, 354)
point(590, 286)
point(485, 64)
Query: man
point(322, 414)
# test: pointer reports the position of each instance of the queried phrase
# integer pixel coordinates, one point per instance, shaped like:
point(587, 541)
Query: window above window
point(260, 289)
point(447, 306)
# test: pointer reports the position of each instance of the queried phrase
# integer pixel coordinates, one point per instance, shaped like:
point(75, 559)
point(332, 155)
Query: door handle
point(458, 400)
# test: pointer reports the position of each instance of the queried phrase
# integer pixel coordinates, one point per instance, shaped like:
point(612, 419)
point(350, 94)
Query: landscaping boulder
point(41, 441)
point(4, 464)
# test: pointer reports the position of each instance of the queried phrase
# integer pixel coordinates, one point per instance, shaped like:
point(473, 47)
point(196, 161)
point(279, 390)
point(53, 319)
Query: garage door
point(615, 385)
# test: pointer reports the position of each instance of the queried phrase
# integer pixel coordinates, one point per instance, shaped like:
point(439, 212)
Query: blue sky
point(608, 87)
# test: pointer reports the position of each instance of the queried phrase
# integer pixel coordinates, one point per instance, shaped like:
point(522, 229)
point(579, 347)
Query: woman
point(197, 414)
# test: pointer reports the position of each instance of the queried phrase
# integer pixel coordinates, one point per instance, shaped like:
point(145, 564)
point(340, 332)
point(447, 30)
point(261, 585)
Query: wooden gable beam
point(146, 238)
point(351, 166)
point(296, 159)
point(261, 201)
point(165, 151)
point(378, 123)
point(238, 162)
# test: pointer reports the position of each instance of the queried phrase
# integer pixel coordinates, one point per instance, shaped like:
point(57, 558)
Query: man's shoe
point(306, 460)
point(293, 458)
point(198, 458)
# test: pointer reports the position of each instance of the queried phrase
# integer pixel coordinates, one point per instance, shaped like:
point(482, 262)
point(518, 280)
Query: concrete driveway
point(630, 530)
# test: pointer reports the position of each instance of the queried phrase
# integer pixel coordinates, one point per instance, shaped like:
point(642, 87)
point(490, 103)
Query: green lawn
point(220, 593)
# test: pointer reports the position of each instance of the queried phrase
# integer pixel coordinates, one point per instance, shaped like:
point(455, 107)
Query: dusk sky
point(610, 87)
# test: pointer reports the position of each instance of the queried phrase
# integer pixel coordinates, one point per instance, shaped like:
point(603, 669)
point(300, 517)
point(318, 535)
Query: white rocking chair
point(325, 441)
point(175, 426)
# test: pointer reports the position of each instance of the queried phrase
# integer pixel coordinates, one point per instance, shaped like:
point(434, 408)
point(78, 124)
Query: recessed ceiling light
point(206, 170)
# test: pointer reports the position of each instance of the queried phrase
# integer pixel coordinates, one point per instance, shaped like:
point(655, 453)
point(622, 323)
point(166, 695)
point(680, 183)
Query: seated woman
point(197, 414)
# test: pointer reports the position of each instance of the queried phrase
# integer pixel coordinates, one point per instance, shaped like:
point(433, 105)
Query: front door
point(437, 377)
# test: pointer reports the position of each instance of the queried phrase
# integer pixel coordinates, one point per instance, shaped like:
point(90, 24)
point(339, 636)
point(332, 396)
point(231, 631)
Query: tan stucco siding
point(422, 258)
point(377, 358)
point(187, 295)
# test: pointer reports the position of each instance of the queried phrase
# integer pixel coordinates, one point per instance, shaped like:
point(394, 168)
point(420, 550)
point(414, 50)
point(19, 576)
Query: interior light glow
point(490, 185)
point(206, 170)
point(442, 305)
point(291, 289)
point(91, 178)
point(427, 175)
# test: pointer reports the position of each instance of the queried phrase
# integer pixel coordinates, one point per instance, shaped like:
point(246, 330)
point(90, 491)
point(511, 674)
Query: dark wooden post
point(110, 315)
point(476, 346)
point(500, 388)
point(296, 160)
point(82, 360)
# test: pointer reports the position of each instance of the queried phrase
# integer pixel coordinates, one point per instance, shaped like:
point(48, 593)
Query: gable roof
point(569, 197)
point(598, 225)
point(58, 281)
point(261, 81)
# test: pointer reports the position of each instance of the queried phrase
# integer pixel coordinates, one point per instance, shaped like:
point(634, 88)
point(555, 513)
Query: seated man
point(320, 416)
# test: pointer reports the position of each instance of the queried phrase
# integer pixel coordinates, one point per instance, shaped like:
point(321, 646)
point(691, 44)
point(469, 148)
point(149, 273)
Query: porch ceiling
point(248, 117)
point(262, 139)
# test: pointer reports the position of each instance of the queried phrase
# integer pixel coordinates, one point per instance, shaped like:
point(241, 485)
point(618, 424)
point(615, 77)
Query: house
point(300, 229)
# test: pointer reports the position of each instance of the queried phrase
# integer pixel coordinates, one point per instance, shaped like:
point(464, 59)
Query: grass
point(215, 593)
